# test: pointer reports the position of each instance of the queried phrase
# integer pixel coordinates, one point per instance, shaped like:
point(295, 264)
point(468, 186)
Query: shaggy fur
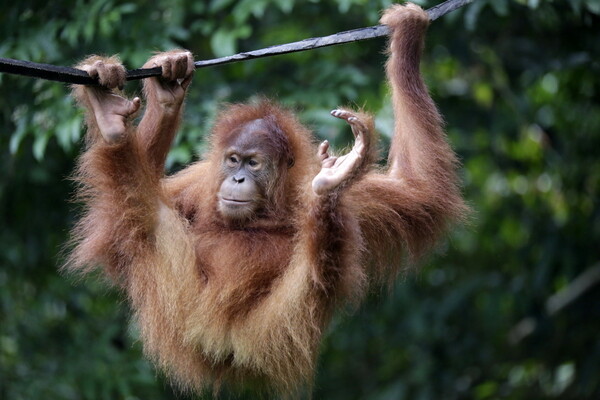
point(242, 303)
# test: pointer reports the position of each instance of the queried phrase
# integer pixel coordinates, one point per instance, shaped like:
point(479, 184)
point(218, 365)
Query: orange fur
point(219, 303)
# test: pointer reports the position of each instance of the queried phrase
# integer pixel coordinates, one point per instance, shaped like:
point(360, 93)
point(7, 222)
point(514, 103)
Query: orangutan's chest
point(253, 257)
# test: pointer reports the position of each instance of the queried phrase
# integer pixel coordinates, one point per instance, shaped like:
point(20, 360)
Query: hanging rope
point(77, 76)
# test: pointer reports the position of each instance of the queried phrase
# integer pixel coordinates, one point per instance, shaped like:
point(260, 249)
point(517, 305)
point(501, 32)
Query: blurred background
point(507, 307)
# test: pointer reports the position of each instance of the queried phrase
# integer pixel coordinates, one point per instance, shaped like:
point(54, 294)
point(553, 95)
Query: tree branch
point(76, 76)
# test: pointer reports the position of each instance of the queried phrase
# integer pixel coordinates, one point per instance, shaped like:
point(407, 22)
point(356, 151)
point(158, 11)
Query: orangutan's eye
point(233, 160)
point(254, 164)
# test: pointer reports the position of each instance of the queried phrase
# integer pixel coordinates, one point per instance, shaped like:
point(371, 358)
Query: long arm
point(412, 204)
point(405, 209)
point(118, 173)
point(113, 184)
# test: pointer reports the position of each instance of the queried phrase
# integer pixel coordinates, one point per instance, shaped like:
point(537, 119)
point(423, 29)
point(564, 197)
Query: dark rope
point(77, 76)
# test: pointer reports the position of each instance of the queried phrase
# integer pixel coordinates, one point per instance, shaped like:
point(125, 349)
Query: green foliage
point(517, 81)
